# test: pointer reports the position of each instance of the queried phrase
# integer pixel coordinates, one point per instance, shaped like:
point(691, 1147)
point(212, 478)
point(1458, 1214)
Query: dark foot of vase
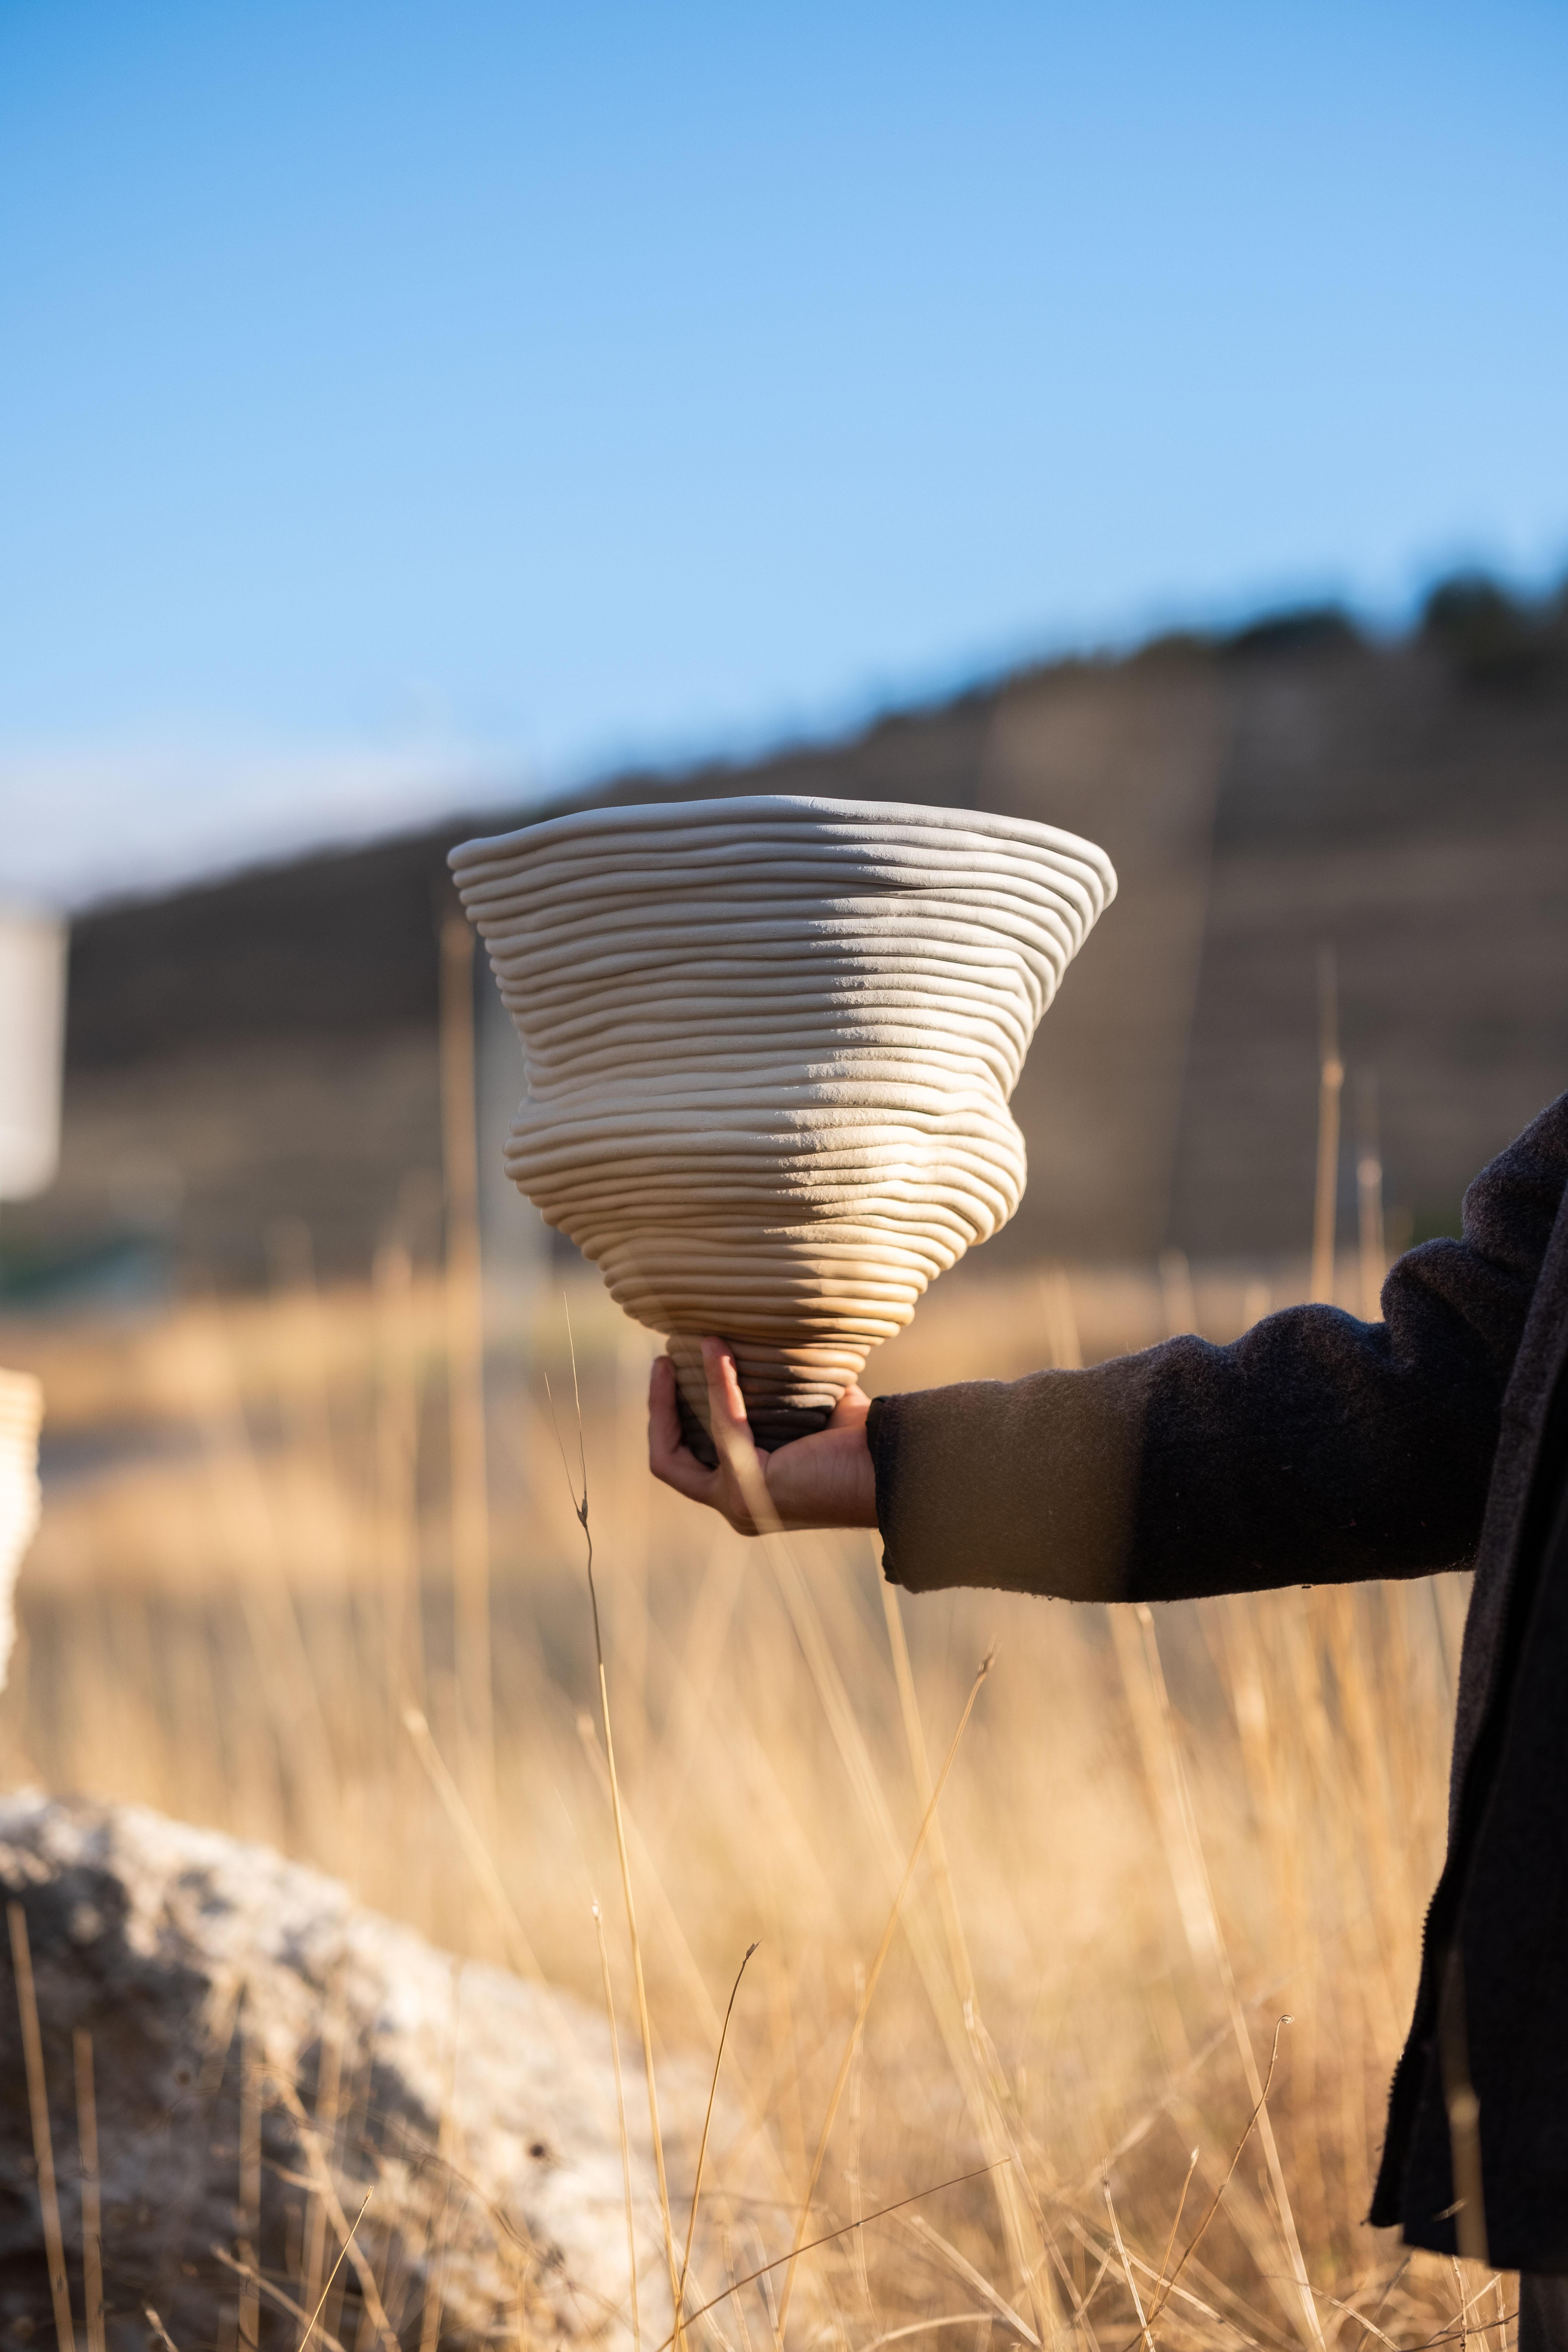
point(693, 1434)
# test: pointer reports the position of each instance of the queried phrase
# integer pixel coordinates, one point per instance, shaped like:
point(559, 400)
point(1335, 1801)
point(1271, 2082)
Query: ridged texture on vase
point(21, 1410)
point(770, 1045)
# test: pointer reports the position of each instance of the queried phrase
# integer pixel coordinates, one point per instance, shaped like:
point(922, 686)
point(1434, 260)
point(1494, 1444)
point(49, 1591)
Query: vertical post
point(32, 1049)
point(397, 1461)
point(1176, 1291)
point(466, 1344)
point(1063, 1342)
point(1369, 1198)
point(1331, 1084)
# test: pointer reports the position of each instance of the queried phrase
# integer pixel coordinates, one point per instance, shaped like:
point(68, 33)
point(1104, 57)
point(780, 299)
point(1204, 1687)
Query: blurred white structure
point(21, 1410)
point(32, 1051)
point(32, 1046)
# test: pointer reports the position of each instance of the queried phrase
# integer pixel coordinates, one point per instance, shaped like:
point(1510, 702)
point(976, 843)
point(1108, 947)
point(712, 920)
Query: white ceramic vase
point(770, 1043)
point(21, 1410)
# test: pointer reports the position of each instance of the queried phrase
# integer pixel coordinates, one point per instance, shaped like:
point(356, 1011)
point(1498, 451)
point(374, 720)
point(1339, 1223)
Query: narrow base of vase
point(790, 1391)
point(771, 1426)
point(693, 1434)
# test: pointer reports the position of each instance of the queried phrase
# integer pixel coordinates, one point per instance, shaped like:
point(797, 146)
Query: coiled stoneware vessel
point(770, 1045)
point(21, 1409)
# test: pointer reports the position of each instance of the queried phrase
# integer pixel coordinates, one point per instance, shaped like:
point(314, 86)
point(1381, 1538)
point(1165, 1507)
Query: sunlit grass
point(1162, 1832)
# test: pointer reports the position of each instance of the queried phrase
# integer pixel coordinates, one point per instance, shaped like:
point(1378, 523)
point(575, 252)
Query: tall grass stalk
point(621, 2128)
point(645, 2022)
point(91, 2202)
point(706, 2127)
point(313, 2320)
point(468, 1485)
point(873, 1978)
point(987, 2098)
point(38, 2116)
point(1330, 1088)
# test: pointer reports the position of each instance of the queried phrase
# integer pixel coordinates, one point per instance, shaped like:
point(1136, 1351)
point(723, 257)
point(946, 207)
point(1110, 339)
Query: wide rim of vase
point(787, 808)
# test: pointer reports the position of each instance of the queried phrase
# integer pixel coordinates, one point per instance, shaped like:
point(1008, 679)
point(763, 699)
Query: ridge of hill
point(264, 1046)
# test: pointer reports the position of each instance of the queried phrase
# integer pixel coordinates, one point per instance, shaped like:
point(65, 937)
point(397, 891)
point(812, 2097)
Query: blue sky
point(401, 401)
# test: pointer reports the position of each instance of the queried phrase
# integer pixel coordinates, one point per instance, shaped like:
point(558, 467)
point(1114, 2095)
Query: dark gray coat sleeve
point(1315, 1450)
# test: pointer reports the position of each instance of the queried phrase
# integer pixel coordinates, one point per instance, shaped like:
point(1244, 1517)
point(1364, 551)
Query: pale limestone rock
point(186, 1956)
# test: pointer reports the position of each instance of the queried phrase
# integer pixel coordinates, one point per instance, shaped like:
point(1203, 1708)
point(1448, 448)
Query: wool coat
point(1320, 1450)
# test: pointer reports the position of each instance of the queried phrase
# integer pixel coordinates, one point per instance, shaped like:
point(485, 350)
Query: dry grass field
point(1178, 1856)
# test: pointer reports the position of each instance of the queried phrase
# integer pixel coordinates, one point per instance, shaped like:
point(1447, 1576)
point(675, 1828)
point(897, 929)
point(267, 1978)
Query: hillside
point(263, 1047)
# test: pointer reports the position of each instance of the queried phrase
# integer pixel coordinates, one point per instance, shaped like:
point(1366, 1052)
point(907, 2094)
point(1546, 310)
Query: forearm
point(1316, 1449)
point(1290, 1457)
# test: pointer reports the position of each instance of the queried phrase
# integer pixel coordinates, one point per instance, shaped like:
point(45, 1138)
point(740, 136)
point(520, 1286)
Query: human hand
point(825, 1481)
